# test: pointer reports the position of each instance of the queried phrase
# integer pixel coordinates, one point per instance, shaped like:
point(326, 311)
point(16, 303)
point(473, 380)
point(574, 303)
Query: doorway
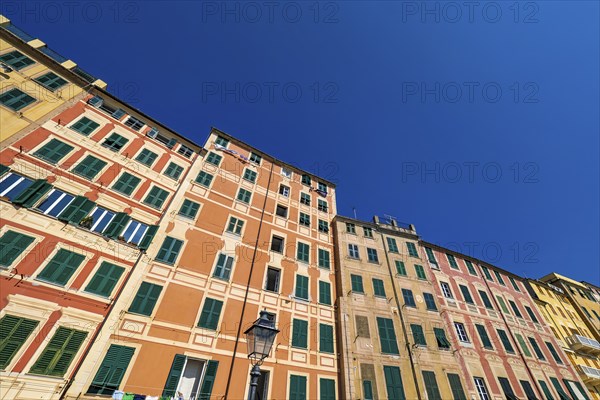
point(191, 378)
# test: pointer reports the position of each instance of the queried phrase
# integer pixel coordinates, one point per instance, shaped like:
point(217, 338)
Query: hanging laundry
point(139, 397)
point(128, 396)
point(151, 397)
point(117, 395)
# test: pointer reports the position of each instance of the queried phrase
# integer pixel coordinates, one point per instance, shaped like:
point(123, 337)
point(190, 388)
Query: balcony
point(589, 375)
point(584, 344)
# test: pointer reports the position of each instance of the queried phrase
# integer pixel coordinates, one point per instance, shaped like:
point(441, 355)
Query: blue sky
point(478, 125)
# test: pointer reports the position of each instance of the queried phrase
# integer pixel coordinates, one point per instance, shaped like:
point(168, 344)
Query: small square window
point(244, 196)
point(306, 179)
point(353, 251)
point(15, 99)
point(304, 219)
point(277, 244)
point(351, 228)
point(255, 158)
point(286, 172)
point(250, 175)
point(281, 211)
point(284, 190)
point(221, 141)
point(322, 187)
point(322, 205)
point(323, 226)
point(305, 199)
point(214, 159)
point(235, 226)
point(368, 232)
point(115, 142)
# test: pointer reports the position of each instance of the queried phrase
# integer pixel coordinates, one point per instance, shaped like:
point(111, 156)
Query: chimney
point(376, 219)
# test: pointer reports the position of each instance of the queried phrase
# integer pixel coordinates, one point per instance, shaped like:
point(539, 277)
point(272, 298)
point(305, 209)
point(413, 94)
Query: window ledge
point(301, 299)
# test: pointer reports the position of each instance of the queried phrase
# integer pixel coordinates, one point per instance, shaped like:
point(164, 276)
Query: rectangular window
point(13, 185)
point(466, 294)
point(214, 159)
point(105, 279)
point(16, 99)
point(156, 197)
point(55, 203)
point(324, 259)
point(61, 267)
point(284, 191)
point(456, 387)
point(554, 353)
point(440, 337)
point(561, 393)
point(400, 268)
point(306, 179)
point(16, 60)
point(393, 383)
point(523, 345)
point(430, 302)
point(169, 250)
point(273, 277)
point(409, 300)
point(112, 370)
point(324, 293)
point(378, 288)
point(250, 175)
point(15, 332)
point(507, 389)
point(184, 151)
point(502, 305)
point(53, 151)
point(481, 388)
point(145, 299)
point(528, 390)
point(487, 274)
point(301, 287)
point(452, 261)
point(485, 339)
point(515, 309)
point(255, 158)
point(461, 332)
point(431, 386)
point(470, 267)
point(204, 178)
point(322, 205)
point(368, 390)
point(12, 246)
point(486, 300)
point(420, 271)
point(505, 341)
point(368, 232)
point(430, 255)
point(392, 245)
point(325, 338)
point(418, 335)
point(412, 249)
point(304, 219)
point(221, 141)
point(299, 333)
point(126, 183)
point(372, 255)
point(303, 252)
point(235, 226)
point(223, 267)
point(277, 244)
point(350, 228)
point(85, 126)
point(305, 199)
point(297, 387)
point(189, 209)
point(56, 358)
point(357, 283)
point(387, 336)
point(211, 312)
point(546, 390)
point(446, 291)
point(244, 196)
point(281, 211)
point(514, 283)
point(134, 123)
point(89, 167)
point(323, 226)
point(322, 187)
point(173, 171)
point(499, 278)
point(135, 231)
point(115, 142)
point(327, 389)
point(536, 349)
point(353, 251)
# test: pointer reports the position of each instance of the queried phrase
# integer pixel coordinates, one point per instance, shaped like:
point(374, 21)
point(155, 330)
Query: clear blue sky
point(480, 126)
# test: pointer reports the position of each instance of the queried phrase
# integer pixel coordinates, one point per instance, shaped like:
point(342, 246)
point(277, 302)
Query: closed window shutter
point(327, 389)
point(554, 353)
point(14, 332)
point(62, 266)
point(505, 341)
point(456, 387)
point(12, 245)
point(529, 390)
point(60, 352)
point(156, 197)
point(85, 126)
point(433, 393)
point(325, 338)
point(302, 287)
point(393, 383)
point(324, 293)
point(89, 167)
point(387, 336)
point(466, 294)
point(145, 299)
point(116, 226)
point(297, 387)
point(105, 279)
point(126, 183)
point(169, 250)
point(485, 340)
point(210, 314)
point(76, 210)
point(561, 393)
point(174, 376)
point(523, 345)
point(209, 380)
point(3, 169)
point(299, 333)
point(418, 335)
point(112, 370)
point(53, 151)
point(148, 236)
point(33, 193)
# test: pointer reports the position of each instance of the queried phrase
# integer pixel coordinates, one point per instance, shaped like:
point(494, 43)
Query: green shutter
point(297, 387)
point(300, 333)
point(14, 332)
point(105, 279)
point(112, 370)
point(145, 299)
point(189, 209)
point(536, 349)
point(302, 287)
point(116, 226)
point(502, 305)
point(418, 335)
point(325, 338)
point(62, 266)
point(466, 294)
point(204, 178)
point(209, 318)
point(156, 197)
point(174, 375)
point(378, 288)
point(368, 390)
point(169, 250)
point(33, 193)
point(431, 386)
point(89, 167)
point(173, 171)
point(400, 268)
point(430, 301)
point(324, 259)
point(505, 341)
point(440, 336)
point(554, 353)
point(146, 157)
point(126, 183)
point(581, 389)
point(470, 267)
point(412, 250)
point(53, 151)
point(393, 383)
point(546, 390)
point(209, 380)
point(486, 300)
point(324, 292)
point(327, 389)
point(85, 126)
point(561, 393)
point(3, 169)
point(456, 387)
point(303, 252)
point(148, 236)
point(357, 284)
point(420, 272)
point(523, 345)
point(60, 352)
point(12, 245)
point(76, 210)
point(387, 336)
point(485, 339)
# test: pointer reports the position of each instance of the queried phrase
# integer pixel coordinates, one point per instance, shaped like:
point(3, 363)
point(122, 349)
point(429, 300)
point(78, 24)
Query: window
point(409, 300)
point(126, 183)
point(502, 305)
point(156, 197)
point(15, 99)
point(430, 302)
point(420, 271)
point(204, 178)
point(214, 159)
point(299, 333)
point(173, 171)
point(89, 167)
point(561, 393)
point(446, 290)
point(372, 255)
point(303, 252)
point(323, 226)
point(387, 336)
point(412, 249)
point(324, 293)
point(487, 274)
point(281, 211)
point(301, 287)
point(297, 387)
point(284, 190)
point(12, 185)
point(59, 353)
point(515, 309)
point(546, 390)
point(440, 337)
point(357, 283)
point(324, 259)
point(393, 383)
point(100, 219)
point(350, 228)
point(431, 386)
point(244, 196)
point(466, 294)
point(486, 300)
point(12, 245)
point(53, 151)
point(452, 261)
point(456, 387)
point(305, 199)
point(286, 172)
point(105, 279)
point(15, 332)
point(55, 203)
point(249, 175)
point(16, 60)
point(392, 246)
point(273, 277)
point(430, 255)
point(327, 389)
point(505, 341)
point(378, 288)
point(322, 187)
point(400, 268)
point(499, 278)
point(554, 353)
point(368, 390)
point(115, 142)
point(528, 390)
point(169, 250)
point(211, 311)
point(353, 251)
point(304, 219)
point(523, 345)
point(184, 151)
point(135, 231)
point(223, 267)
point(134, 123)
point(536, 349)
point(322, 205)
point(368, 232)
point(51, 81)
point(277, 244)
point(418, 335)
point(485, 339)
point(112, 370)
point(306, 179)
point(508, 392)
point(85, 126)
point(325, 338)
point(461, 332)
point(235, 226)
point(481, 389)
point(470, 267)
point(255, 158)
point(189, 209)
point(61, 267)
point(514, 283)
point(221, 141)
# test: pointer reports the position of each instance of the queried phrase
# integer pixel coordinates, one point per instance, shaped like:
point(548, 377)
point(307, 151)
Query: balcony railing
point(584, 344)
point(589, 374)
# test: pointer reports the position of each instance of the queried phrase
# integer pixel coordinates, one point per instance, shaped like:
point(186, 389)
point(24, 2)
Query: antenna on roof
point(354, 210)
point(391, 219)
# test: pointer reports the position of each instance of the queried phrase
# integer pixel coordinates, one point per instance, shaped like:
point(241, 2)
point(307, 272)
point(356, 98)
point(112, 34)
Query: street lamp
point(260, 337)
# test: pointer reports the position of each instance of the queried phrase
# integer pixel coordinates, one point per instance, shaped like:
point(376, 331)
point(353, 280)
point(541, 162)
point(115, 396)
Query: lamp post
point(260, 337)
